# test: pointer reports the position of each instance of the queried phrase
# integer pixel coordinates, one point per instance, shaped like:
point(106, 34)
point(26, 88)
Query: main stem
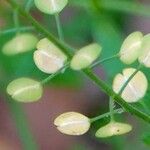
point(68, 51)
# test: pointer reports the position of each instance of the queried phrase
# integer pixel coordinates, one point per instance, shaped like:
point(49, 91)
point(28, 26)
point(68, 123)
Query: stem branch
point(59, 27)
point(117, 111)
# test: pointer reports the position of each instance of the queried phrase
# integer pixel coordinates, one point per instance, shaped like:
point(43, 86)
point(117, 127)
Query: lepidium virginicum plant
point(52, 56)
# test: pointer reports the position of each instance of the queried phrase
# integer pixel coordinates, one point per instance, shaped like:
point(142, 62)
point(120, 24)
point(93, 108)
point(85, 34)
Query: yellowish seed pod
point(131, 47)
point(19, 44)
point(72, 123)
point(113, 129)
point(48, 57)
point(85, 56)
point(136, 88)
point(25, 90)
point(144, 57)
point(50, 6)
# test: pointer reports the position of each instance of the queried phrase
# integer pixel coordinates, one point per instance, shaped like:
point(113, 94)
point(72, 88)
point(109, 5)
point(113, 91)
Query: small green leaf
point(25, 90)
point(131, 47)
point(85, 56)
point(19, 44)
point(113, 129)
point(48, 57)
point(50, 6)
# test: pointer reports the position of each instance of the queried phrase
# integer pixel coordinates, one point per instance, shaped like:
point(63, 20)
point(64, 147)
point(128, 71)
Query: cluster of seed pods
point(50, 59)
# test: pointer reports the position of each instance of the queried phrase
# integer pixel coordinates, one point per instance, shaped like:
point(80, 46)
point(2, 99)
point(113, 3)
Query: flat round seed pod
point(136, 88)
point(85, 56)
point(72, 123)
point(48, 57)
point(113, 129)
point(19, 44)
point(25, 90)
point(131, 47)
point(50, 6)
point(144, 57)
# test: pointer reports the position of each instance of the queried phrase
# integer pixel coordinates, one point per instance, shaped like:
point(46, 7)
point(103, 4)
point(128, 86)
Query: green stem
point(88, 72)
point(54, 75)
point(105, 88)
point(15, 30)
point(24, 131)
point(28, 5)
point(111, 108)
point(144, 106)
point(16, 19)
point(117, 111)
point(104, 60)
point(59, 27)
point(129, 79)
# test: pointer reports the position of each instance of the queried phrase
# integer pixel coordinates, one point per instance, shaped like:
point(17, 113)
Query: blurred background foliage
point(84, 21)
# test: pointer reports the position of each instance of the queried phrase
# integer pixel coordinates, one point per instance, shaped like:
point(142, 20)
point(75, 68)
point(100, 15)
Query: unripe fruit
point(144, 57)
point(19, 44)
point(72, 123)
point(85, 56)
point(48, 57)
point(25, 90)
point(50, 6)
point(113, 129)
point(131, 47)
point(135, 89)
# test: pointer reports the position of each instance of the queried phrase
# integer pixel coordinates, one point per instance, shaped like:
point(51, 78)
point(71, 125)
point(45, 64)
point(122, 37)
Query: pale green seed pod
point(113, 129)
point(25, 90)
point(20, 43)
point(72, 123)
point(48, 57)
point(136, 88)
point(144, 57)
point(85, 56)
point(50, 6)
point(131, 47)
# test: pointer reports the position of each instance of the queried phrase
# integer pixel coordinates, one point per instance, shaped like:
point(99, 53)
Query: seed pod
point(72, 123)
point(85, 56)
point(131, 47)
point(49, 58)
point(19, 44)
point(50, 6)
point(25, 90)
point(112, 129)
point(144, 57)
point(136, 88)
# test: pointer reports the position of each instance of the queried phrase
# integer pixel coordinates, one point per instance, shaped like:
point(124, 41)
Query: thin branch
point(13, 30)
point(68, 51)
point(129, 79)
point(104, 60)
point(59, 27)
point(54, 74)
point(117, 111)
point(28, 5)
